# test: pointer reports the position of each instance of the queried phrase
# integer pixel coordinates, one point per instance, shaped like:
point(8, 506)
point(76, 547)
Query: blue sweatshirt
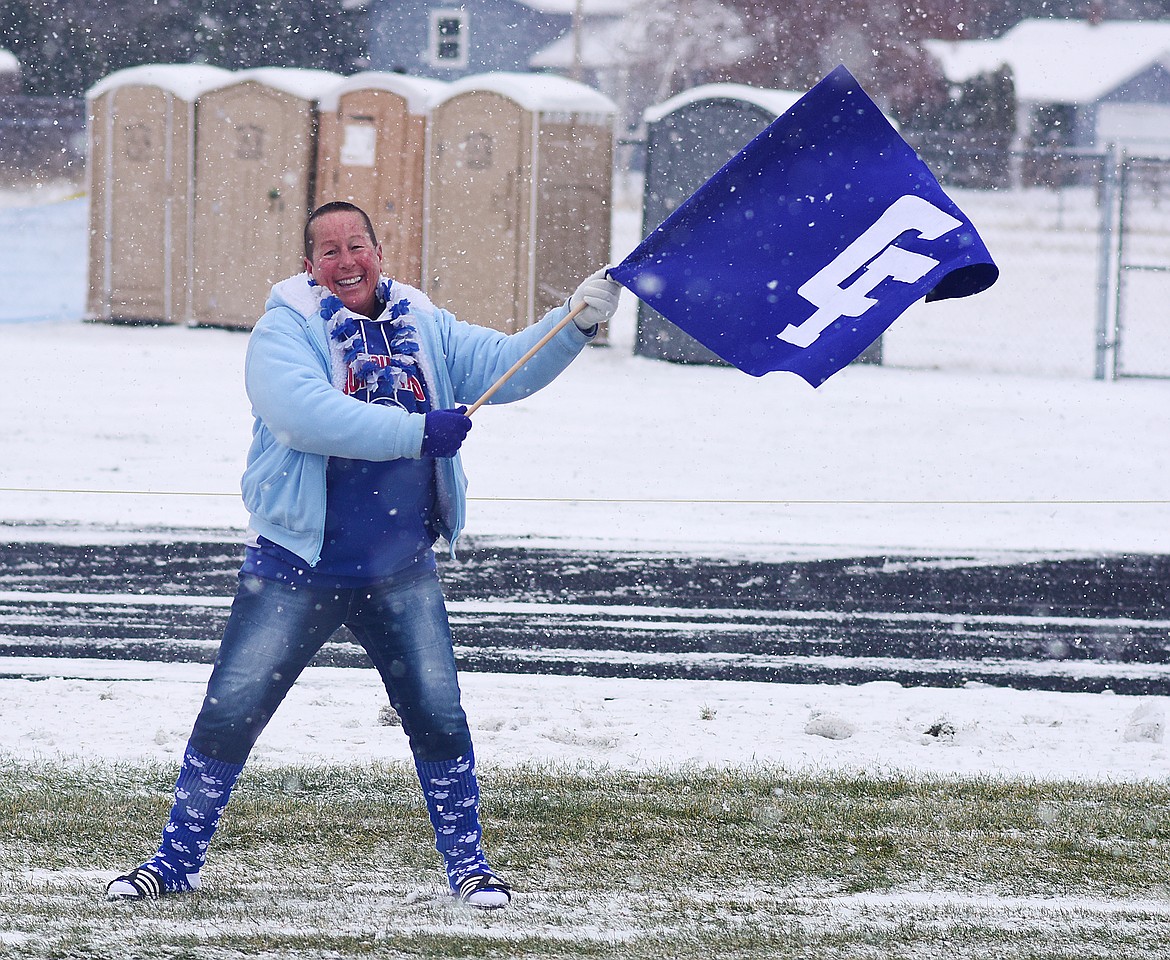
point(302, 419)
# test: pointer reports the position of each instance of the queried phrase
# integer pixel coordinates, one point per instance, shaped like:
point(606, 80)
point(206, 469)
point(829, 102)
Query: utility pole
point(578, 19)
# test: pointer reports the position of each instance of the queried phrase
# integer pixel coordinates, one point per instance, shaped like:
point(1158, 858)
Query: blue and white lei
point(349, 348)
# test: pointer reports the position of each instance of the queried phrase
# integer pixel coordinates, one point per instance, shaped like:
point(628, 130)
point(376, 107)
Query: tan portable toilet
point(141, 157)
point(254, 164)
point(371, 152)
point(519, 187)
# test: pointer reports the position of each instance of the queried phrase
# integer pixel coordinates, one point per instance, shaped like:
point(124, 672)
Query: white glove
point(601, 295)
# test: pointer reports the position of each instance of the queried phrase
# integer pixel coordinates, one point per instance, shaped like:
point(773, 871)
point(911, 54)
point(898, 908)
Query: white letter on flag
point(824, 291)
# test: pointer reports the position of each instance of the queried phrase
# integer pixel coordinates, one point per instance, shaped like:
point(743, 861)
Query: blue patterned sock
point(201, 794)
point(452, 794)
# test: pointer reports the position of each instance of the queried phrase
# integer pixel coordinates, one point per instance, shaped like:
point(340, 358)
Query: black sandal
point(484, 891)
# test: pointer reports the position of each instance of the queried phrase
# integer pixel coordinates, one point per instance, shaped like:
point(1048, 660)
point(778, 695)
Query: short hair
point(336, 206)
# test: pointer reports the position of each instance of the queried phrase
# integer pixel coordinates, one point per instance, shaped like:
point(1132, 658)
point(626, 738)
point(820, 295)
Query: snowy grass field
point(334, 861)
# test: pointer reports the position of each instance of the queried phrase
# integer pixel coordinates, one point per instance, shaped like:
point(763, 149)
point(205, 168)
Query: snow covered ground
point(114, 432)
point(122, 711)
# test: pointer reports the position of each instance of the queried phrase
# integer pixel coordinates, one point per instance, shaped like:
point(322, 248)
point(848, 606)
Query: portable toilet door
point(255, 160)
point(371, 151)
point(519, 185)
point(688, 138)
point(574, 202)
point(141, 150)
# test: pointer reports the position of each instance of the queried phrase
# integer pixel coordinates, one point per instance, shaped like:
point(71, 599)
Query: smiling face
point(346, 260)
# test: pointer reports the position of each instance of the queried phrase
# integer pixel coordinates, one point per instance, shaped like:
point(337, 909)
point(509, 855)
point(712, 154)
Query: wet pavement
point(1088, 623)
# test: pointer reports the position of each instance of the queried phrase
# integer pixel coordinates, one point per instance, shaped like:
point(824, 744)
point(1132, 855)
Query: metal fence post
point(1106, 243)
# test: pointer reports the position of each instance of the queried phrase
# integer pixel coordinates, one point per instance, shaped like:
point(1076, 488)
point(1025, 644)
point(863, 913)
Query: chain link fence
point(1137, 336)
point(1082, 239)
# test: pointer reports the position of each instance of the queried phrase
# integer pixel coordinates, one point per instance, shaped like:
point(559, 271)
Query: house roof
point(1060, 61)
point(600, 49)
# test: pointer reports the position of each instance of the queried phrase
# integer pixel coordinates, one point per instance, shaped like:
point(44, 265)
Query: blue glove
point(444, 432)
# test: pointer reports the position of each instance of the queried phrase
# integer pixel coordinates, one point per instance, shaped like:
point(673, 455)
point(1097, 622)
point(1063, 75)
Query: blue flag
point(809, 242)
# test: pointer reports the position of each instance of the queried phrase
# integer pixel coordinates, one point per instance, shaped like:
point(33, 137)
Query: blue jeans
point(275, 629)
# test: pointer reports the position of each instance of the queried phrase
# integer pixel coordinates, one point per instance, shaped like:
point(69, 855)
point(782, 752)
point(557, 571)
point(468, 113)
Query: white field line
point(1076, 669)
point(623, 612)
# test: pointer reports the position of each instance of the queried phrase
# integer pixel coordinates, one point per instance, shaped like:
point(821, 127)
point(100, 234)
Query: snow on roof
point(418, 92)
point(600, 48)
point(1060, 61)
point(544, 92)
point(299, 82)
point(8, 62)
point(184, 80)
point(773, 101)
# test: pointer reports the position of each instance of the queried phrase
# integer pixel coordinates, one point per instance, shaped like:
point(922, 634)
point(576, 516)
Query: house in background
point(1079, 85)
point(450, 40)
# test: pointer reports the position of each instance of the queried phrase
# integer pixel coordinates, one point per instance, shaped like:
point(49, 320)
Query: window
point(448, 38)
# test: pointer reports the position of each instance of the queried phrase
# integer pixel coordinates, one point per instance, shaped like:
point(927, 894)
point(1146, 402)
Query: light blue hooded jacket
point(301, 419)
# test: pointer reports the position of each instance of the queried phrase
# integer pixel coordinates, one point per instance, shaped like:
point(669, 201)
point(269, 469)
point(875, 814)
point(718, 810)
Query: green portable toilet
point(688, 138)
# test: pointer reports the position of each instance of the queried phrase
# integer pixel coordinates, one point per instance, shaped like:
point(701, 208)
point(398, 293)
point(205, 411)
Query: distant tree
point(670, 45)
point(65, 46)
point(880, 43)
point(966, 139)
point(279, 33)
